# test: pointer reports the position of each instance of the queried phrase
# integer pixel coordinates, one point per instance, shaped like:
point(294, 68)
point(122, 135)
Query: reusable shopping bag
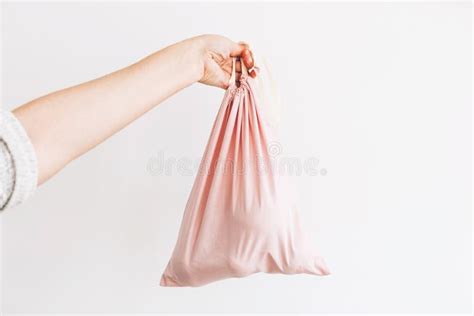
point(240, 217)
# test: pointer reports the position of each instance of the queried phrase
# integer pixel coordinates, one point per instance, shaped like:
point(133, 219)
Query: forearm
point(67, 123)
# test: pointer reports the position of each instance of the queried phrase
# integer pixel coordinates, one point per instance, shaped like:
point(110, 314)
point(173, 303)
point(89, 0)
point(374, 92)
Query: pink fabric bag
point(240, 218)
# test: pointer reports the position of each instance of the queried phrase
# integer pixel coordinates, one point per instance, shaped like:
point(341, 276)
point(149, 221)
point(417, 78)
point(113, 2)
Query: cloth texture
point(18, 164)
point(241, 217)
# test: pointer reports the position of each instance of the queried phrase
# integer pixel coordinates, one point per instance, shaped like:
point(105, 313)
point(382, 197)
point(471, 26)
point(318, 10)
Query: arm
point(65, 124)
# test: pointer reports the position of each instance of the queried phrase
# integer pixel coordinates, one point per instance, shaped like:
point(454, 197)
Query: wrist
point(197, 49)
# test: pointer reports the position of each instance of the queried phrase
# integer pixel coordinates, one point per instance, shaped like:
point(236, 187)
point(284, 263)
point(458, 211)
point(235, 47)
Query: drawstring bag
point(240, 218)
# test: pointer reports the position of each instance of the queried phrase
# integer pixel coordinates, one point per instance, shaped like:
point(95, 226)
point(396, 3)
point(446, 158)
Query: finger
point(249, 64)
point(227, 66)
point(238, 66)
point(247, 58)
point(238, 48)
point(243, 51)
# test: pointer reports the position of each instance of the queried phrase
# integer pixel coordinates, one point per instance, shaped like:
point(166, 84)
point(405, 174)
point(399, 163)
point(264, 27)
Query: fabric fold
point(240, 218)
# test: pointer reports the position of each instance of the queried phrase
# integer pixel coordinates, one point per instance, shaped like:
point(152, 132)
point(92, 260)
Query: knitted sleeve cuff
point(18, 164)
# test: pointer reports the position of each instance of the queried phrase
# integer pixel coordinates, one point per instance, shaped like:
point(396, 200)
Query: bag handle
point(244, 71)
point(232, 76)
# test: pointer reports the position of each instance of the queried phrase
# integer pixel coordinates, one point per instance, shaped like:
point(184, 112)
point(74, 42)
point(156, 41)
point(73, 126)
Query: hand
point(217, 52)
point(112, 101)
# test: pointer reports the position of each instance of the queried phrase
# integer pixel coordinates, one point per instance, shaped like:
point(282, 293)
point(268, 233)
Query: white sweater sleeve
point(18, 165)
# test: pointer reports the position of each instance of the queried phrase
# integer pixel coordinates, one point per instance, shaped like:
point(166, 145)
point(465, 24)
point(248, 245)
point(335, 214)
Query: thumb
point(220, 78)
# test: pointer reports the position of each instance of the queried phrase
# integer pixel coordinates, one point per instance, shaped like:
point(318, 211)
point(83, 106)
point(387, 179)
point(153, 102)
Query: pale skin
point(65, 124)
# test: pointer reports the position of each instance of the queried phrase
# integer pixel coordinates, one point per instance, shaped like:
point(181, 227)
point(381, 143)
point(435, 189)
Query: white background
point(379, 93)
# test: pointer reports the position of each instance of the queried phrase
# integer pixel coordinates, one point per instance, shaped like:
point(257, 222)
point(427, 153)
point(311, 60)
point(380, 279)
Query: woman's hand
point(216, 53)
point(65, 124)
